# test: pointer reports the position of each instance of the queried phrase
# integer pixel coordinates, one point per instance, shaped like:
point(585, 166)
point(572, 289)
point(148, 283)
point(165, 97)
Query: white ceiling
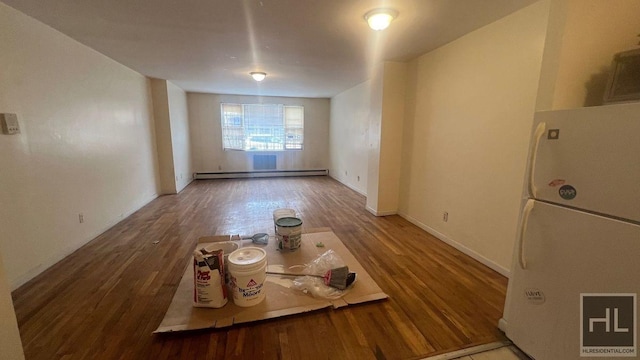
point(308, 48)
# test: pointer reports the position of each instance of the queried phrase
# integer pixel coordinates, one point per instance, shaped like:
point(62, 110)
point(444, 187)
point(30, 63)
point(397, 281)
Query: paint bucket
point(289, 233)
point(280, 213)
point(247, 273)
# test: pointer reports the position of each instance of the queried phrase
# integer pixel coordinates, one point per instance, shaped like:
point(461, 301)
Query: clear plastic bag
point(315, 286)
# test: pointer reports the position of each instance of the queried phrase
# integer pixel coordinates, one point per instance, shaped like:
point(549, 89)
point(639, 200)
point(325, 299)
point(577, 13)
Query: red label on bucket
point(252, 283)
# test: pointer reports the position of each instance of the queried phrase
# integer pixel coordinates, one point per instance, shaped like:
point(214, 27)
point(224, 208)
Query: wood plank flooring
point(104, 300)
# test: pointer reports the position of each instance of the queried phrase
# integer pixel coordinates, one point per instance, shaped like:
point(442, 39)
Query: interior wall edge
point(556, 20)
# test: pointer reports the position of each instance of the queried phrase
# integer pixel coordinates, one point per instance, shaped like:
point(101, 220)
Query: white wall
point(349, 135)
point(173, 140)
point(180, 136)
point(87, 145)
point(206, 134)
point(366, 137)
point(593, 31)
point(164, 146)
point(470, 107)
point(392, 126)
point(374, 119)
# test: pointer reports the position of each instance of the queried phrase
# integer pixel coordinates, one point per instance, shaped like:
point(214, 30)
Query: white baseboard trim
point(68, 250)
point(381, 213)
point(485, 261)
point(369, 209)
point(347, 185)
point(37, 270)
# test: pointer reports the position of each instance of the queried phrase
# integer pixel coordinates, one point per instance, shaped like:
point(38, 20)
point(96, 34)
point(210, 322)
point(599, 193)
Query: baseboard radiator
point(264, 165)
point(258, 174)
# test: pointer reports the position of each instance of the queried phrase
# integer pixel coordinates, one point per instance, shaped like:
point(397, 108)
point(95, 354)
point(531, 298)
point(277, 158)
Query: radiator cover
point(264, 162)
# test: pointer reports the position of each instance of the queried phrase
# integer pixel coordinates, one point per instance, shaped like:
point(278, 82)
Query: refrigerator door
point(562, 254)
point(588, 158)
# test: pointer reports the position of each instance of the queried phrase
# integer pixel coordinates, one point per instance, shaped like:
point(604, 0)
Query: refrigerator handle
point(537, 136)
point(523, 229)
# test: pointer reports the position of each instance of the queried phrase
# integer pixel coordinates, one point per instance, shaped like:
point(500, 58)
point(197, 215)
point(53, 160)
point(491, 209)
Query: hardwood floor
point(104, 300)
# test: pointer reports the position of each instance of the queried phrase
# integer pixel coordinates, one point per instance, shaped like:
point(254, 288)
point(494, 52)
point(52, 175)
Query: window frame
point(236, 132)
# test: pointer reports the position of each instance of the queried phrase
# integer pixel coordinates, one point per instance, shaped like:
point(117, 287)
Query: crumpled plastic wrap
point(315, 286)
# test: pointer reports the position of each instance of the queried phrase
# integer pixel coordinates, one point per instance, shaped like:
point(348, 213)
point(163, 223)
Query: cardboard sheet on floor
point(280, 300)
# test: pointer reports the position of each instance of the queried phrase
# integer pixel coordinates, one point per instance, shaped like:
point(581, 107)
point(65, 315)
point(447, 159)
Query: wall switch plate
point(9, 124)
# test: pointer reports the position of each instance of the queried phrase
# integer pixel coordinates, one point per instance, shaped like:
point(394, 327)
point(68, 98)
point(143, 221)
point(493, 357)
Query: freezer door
point(588, 158)
point(565, 253)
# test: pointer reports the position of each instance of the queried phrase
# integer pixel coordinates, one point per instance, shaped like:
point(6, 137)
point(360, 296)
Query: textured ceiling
point(308, 48)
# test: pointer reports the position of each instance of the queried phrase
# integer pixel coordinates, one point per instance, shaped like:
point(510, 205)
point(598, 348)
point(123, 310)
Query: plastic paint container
point(280, 213)
point(247, 273)
point(289, 233)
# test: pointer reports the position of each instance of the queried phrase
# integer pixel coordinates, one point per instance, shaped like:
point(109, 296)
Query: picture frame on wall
point(624, 78)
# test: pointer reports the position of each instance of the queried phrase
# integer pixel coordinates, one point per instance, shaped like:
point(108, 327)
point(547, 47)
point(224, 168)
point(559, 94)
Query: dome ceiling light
point(379, 19)
point(258, 75)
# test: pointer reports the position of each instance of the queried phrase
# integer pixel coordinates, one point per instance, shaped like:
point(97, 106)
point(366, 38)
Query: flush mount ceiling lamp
point(258, 75)
point(379, 19)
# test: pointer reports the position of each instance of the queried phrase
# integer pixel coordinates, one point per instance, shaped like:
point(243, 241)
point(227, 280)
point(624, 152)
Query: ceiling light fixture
point(379, 19)
point(257, 75)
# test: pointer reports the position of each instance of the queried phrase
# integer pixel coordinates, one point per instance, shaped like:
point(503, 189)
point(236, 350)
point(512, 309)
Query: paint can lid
point(288, 222)
point(280, 213)
point(247, 256)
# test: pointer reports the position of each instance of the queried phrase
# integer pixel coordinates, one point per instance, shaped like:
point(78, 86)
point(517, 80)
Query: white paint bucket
point(247, 273)
point(280, 213)
point(289, 233)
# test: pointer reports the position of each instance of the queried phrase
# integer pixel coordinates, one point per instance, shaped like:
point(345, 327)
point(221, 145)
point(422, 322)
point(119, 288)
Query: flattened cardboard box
point(280, 300)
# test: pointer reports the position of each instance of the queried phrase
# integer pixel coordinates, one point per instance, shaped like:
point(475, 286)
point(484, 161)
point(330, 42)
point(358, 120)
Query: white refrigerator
point(575, 277)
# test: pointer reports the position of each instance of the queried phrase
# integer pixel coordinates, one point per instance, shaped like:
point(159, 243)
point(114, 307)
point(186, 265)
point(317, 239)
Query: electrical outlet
point(358, 177)
point(9, 123)
point(445, 216)
point(81, 218)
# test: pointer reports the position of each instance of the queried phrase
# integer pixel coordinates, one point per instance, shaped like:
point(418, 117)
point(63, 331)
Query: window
point(262, 127)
